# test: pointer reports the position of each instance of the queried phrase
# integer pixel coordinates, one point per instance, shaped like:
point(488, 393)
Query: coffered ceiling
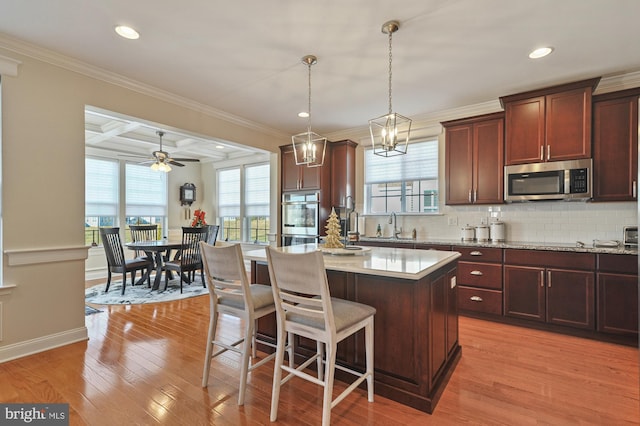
point(242, 58)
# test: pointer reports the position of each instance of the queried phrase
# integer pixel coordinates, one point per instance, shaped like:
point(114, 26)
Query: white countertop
point(383, 261)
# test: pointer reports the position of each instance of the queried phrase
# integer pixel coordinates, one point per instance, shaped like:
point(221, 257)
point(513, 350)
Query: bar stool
point(305, 307)
point(231, 293)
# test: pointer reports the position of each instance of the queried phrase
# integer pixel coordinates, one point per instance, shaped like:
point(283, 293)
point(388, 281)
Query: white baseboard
point(41, 344)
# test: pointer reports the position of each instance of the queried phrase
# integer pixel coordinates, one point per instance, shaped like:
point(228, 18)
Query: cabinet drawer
point(488, 275)
point(480, 300)
point(618, 263)
point(479, 254)
point(550, 259)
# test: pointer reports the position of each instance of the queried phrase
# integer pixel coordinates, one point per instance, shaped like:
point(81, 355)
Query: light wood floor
point(143, 365)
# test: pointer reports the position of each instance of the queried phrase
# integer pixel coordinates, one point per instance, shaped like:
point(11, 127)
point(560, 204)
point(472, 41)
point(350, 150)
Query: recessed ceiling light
point(219, 146)
point(540, 52)
point(303, 114)
point(127, 32)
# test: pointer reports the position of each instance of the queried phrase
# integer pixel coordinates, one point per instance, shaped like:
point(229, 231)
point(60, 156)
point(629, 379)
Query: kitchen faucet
point(393, 220)
point(348, 215)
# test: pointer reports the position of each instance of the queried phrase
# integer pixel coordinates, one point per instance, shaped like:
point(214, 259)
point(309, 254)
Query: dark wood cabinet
point(617, 284)
point(615, 146)
point(480, 280)
point(549, 124)
point(343, 169)
point(299, 178)
point(544, 286)
point(474, 160)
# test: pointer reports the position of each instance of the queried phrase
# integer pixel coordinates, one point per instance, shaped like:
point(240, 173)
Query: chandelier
point(390, 132)
point(309, 147)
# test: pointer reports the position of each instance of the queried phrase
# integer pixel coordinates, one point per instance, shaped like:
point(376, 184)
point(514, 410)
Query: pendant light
point(309, 147)
point(390, 132)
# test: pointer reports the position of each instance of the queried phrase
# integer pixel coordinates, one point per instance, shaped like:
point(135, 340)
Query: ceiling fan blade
point(174, 163)
point(186, 160)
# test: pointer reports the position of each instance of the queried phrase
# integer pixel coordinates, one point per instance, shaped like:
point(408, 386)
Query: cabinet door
point(343, 165)
point(618, 303)
point(459, 161)
point(488, 161)
point(290, 172)
point(570, 298)
point(310, 177)
point(525, 131)
point(568, 125)
point(524, 292)
point(615, 149)
point(438, 325)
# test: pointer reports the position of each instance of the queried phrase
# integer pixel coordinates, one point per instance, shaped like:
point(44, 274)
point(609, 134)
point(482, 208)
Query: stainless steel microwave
point(555, 180)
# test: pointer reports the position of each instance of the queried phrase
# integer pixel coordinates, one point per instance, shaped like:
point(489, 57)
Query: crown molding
point(72, 64)
point(9, 66)
point(616, 82)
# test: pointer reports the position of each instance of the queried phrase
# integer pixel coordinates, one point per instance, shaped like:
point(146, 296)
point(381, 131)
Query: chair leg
point(368, 342)
point(290, 350)
point(248, 347)
point(108, 279)
point(124, 281)
point(204, 284)
point(319, 363)
point(328, 384)
point(211, 337)
point(277, 374)
point(181, 276)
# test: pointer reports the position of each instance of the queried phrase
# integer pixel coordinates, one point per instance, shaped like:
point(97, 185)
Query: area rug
point(134, 295)
point(88, 310)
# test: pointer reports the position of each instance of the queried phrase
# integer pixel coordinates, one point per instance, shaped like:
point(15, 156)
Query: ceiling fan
point(161, 159)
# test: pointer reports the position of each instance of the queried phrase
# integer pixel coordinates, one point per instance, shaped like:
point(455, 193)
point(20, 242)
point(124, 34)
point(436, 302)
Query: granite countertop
point(588, 248)
point(380, 261)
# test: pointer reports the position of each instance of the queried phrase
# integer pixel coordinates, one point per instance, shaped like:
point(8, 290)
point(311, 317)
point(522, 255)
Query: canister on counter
point(497, 232)
point(468, 233)
point(482, 233)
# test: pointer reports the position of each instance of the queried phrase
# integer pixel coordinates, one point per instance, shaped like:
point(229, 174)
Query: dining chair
point(189, 259)
point(232, 293)
point(116, 261)
point(143, 233)
point(305, 307)
point(213, 234)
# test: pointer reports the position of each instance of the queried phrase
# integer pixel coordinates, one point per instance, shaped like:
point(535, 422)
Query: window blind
point(256, 190)
point(146, 191)
point(229, 192)
point(420, 163)
point(101, 187)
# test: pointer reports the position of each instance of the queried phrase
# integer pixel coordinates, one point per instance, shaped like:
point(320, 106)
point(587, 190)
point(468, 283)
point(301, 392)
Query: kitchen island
point(416, 321)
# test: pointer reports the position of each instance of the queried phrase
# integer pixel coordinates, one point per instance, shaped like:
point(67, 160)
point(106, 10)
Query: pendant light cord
point(390, 72)
point(309, 106)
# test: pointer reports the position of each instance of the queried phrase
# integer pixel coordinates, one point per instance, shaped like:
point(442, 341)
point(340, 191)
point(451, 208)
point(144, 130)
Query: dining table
point(158, 250)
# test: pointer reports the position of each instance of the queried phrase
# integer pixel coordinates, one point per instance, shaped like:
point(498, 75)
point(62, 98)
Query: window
point(101, 197)
point(229, 204)
point(256, 201)
point(243, 203)
point(146, 196)
point(403, 183)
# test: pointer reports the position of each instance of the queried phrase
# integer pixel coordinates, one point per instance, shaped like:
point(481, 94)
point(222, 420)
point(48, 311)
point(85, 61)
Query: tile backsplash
point(545, 221)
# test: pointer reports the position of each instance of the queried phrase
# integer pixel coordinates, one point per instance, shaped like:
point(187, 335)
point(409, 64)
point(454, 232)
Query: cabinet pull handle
point(549, 279)
point(541, 278)
point(475, 195)
point(475, 299)
point(635, 189)
point(548, 152)
point(476, 273)
point(476, 253)
point(541, 153)
point(470, 195)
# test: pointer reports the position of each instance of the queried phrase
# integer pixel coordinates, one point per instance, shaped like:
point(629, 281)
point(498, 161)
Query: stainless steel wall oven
point(300, 218)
